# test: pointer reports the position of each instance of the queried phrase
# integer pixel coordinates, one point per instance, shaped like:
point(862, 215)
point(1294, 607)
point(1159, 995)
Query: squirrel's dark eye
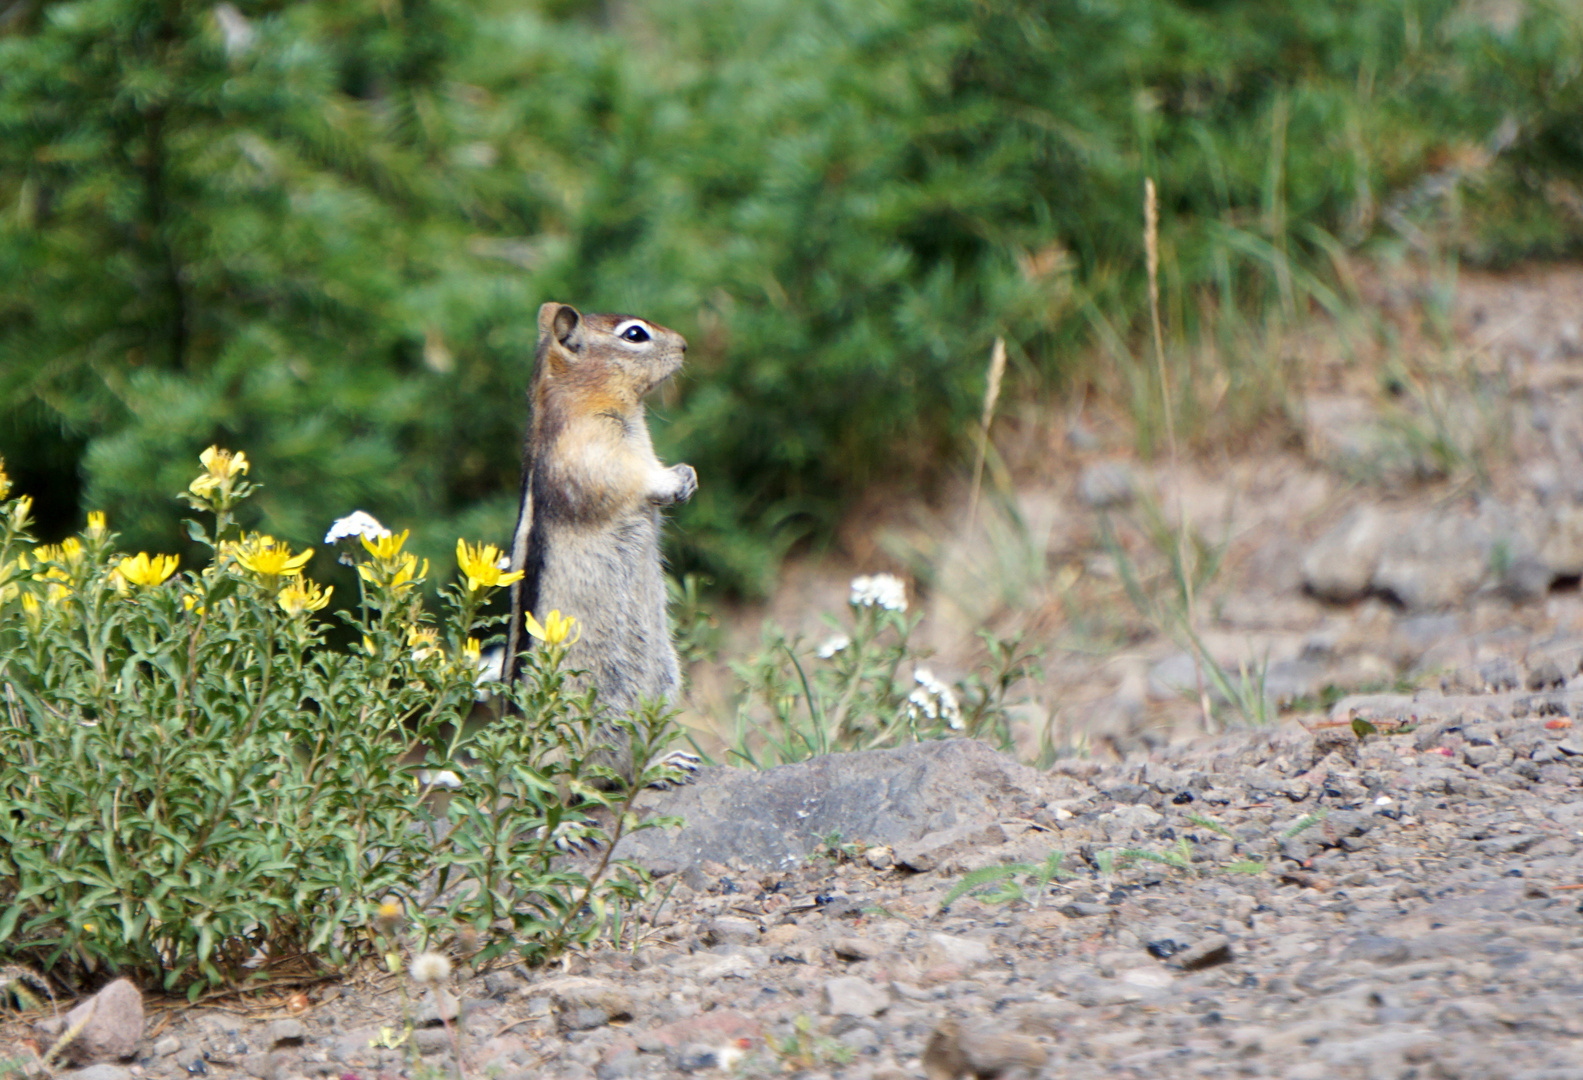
point(635, 334)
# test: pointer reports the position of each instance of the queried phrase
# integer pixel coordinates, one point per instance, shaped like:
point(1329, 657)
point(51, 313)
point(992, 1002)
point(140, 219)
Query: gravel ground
point(1426, 925)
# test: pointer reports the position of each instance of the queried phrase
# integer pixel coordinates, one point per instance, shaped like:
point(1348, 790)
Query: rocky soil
point(1425, 923)
point(1296, 901)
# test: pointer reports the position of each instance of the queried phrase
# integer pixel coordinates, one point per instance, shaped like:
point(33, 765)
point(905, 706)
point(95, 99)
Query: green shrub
point(865, 687)
point(196, 789)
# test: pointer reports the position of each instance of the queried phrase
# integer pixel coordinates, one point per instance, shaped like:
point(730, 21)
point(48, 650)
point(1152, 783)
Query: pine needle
point(997, 368)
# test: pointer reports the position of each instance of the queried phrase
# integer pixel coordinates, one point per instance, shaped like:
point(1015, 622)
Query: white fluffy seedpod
point(431, 967)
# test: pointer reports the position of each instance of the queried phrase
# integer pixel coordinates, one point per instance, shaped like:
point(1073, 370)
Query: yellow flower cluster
point(270, 558)
point(424, 641)
point(302, 596)
point(481, 566)
point(68, 552)
point(58, 565)
point(146, 571)
point(393, 567)
point(221, 469)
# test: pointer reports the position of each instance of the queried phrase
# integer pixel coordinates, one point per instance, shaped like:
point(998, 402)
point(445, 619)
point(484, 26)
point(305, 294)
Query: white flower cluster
point(881, 590)
point(831, 645)
point(357, 523)
point(933, 700)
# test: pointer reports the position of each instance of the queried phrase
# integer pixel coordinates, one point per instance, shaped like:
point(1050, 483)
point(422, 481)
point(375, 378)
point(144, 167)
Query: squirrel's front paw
point(684, 481)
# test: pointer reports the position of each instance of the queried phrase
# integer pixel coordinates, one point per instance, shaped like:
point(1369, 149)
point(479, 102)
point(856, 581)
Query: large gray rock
point(111, 1022)
point(1435, 560)
point(1339, 566)
point(1561, 546)
point(777, 817)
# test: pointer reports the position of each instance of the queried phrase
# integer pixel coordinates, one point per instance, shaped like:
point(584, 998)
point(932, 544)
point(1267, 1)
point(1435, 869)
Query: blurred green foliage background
point(319, 231)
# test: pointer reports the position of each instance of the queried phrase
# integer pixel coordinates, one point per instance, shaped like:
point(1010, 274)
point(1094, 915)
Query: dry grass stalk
point(997, 369)
point(1151, 249)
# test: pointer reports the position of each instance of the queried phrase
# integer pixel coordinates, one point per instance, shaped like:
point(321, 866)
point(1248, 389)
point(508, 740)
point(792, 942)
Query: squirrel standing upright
point(588, 529)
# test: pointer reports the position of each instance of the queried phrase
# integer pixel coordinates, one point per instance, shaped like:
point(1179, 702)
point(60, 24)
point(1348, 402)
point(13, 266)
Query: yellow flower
point(303, 595)
point(31, 610)
point(388, 916)
point(20, 510)
point(68, 551)
point(385, 547)
point(190, 603)
point(96, 524)
point(425, 642)
point(5, 481)
point(267, 557)
point(145, 570)
point(556, 629)
point(59, 584)
point(470, 652)
point(481, 566)
point(220, 467)
point(398, 578)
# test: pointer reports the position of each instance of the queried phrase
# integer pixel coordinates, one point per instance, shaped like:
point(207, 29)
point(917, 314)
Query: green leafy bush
point(196, 789)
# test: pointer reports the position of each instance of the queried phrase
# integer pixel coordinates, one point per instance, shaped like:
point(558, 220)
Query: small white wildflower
point(357, 523)
point(503, 563)
point(832, 645)
point(883, 590)
point(431, 967)
point(934, 700)
point(440, 778)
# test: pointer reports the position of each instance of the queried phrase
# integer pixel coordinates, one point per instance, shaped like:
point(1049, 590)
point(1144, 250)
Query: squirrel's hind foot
point(685, 764)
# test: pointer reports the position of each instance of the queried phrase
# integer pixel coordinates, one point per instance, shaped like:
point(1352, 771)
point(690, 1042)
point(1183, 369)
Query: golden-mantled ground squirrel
point(588, 531)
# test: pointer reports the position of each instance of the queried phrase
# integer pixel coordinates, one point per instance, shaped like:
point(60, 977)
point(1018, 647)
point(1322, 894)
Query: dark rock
point(1546, 675)
point(728, 930)
point(1080, 910)
point(1499, 675)
point(502, 984)
point(1339, 741)
point(779, 816)
point(1206, 953)
point(582, 1003)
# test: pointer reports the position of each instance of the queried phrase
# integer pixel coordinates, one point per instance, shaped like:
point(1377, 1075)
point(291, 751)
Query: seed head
point(431, 967)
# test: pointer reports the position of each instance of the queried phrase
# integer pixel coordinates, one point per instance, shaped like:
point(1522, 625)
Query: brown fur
point(587, 537)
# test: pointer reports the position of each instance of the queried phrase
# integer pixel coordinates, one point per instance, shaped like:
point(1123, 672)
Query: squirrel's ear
point(562, 322)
